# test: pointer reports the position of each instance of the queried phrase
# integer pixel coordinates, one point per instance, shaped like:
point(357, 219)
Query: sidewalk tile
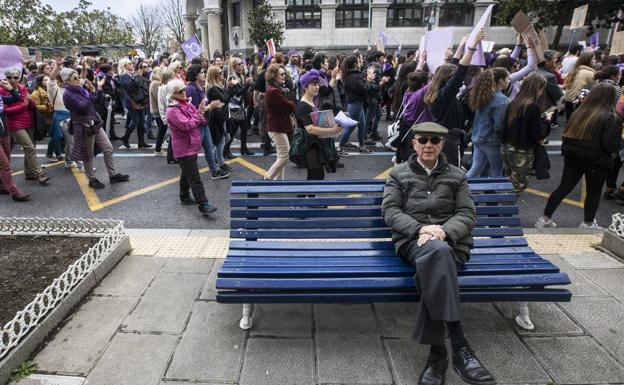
point(130, 277)
point(576, 360)
point(345, 319)
point(278, 361)
point(45, 379)
point(396, 319)
point(548, 318)
point(133, 359)
point(563, 243)
point(282, 320)
point(593, 260)
point(189, 265)
point(209, 292)
point(504, 355)
point(211, 346)
point(611, 280)
point(166, 304)
point(581, 286)
point(81, 341)
point(351, 358)
point(483, 318)
point(603, 318)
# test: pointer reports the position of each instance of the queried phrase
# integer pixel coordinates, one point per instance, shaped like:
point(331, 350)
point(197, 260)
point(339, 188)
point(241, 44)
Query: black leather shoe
point(96, 184)
point(119, 178)
point(469, 368)
point(187, 200)
point(435, 371)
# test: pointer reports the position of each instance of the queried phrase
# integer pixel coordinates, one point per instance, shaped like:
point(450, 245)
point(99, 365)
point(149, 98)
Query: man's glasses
point(433, 139)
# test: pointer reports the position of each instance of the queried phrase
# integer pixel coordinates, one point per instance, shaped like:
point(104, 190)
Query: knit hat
point(293, 52)
point(309, 77)
point(66, 73)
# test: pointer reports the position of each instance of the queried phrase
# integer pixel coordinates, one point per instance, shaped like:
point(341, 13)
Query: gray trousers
point(437, 285)
point(105, 146)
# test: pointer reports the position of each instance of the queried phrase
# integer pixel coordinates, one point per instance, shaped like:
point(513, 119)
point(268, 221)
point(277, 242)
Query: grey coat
point(413, 199)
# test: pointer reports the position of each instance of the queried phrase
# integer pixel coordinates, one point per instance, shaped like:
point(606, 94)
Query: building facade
point(342, 25)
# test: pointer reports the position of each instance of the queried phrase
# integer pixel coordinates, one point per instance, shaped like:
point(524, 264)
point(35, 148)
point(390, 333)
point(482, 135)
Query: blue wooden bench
point(326, 242)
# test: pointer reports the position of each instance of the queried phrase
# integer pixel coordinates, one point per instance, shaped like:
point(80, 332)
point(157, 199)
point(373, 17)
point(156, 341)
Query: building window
point(457, 12)
point(236, 14)
point(303, 14)
point(352, 14)
point(405, 13)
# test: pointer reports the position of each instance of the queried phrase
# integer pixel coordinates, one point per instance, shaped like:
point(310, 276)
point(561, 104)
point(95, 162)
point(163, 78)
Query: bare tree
point(171, 12)
point(148, 27)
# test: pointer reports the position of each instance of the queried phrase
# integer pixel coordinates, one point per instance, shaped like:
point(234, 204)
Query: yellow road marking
point(20, 172)
point(384, 175)
point(547, 195)
point(93, 201)
point(251, 166)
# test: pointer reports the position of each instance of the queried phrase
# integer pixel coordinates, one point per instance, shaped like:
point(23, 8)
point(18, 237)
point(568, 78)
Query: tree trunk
point(558, 33)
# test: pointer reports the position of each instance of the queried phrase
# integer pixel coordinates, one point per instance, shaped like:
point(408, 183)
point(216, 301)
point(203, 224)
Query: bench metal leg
point(523, 320)
point(246, 322)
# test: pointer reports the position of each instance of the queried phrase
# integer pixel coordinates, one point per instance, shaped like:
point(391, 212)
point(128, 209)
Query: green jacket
point(413, 199)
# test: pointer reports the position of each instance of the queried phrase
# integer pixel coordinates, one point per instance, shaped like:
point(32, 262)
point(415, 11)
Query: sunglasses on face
point(13, 77)
point(433, 139)
point(74, 78)
point(143, 66)
point(181, 91)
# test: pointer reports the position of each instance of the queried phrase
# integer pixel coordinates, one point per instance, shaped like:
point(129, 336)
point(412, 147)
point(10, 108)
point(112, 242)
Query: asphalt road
point(150, 198)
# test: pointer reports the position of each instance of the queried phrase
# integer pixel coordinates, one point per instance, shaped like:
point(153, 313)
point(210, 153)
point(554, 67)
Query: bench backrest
point(349, 209)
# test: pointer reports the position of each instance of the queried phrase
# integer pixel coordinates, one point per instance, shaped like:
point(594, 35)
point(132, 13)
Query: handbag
point(393, 129)
point(236, 110)
point(41, 127)
point(90, 128)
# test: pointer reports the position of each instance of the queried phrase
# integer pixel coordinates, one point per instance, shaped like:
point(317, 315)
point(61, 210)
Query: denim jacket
point(489, 120)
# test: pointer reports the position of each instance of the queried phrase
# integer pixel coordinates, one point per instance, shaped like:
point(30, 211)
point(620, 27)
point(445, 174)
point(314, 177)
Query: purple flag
point(192, 48)
point(594, 39)
point(10, 59)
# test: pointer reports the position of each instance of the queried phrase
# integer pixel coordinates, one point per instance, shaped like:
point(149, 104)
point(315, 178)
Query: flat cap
point(429, 128)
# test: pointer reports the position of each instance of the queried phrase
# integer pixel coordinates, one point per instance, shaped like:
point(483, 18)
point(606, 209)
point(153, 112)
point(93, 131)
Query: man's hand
point(424, 238)
point(436, 231)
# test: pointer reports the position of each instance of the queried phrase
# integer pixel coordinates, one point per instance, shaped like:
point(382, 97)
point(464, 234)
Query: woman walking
point(89, 137)
point(237, 86)
point(44, 112)
point(279, 110)
point(489, 103)
point(525, 128)
point(581, 76)
point(591, 140)
point(309, 146)
point(215, 92)
point(184, 122)
point(355, 89)
point(60, 118)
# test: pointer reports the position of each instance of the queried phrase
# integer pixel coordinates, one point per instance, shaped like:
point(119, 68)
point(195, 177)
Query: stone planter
point(21, 336)
point(613, 237)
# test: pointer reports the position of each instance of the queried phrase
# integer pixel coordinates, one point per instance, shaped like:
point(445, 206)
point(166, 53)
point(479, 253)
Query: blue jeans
point(209, 148)
point(486, 154)
point(149, 118)
point(373, 114)
point(356, 112)
point(137, 121)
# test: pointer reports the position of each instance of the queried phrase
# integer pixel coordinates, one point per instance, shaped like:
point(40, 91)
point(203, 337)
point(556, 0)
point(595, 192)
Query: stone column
point(278, 7)
point(378, 21)
point(328, 21)
point(213, 15)
point(205, 38)
point(189, 25)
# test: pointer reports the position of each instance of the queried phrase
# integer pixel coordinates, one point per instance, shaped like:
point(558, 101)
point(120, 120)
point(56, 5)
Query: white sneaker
point(71, 164)
point(543, 223)
point(591, 225)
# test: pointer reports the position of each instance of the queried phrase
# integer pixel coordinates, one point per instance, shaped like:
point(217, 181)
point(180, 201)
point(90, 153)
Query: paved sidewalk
point(154, 321)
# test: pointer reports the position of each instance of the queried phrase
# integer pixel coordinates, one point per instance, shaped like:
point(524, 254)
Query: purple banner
point(192, 48)
point(10, 59)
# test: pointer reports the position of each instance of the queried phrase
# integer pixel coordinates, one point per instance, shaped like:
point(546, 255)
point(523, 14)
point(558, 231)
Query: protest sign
point(578, 18)
point(524, 27)
point(436, 43)
point(543, 40)
point(484, 22)
point(488, 46)
point(271, 47)
point(617, 45)
point(423, 45)
point(10, 58)
point(192, 48)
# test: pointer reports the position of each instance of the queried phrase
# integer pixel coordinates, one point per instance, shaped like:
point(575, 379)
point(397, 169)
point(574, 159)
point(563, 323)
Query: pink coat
point(184, 122)
point(18, 115)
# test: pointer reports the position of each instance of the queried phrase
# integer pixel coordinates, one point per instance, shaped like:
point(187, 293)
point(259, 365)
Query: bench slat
point(355, 233)
point(347, 181)
point(321, 188)
point(533, 295)
point(377, 271)
point(355, 222)
point(346, 212)
point(296, 202)
point(309, 245)
point(528, 280)
point(368, 261)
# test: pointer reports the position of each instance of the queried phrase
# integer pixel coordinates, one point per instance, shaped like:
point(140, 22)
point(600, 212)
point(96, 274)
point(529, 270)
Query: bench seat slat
point(373, 245)
point(357, 233)
point(346, 212)
point(362, 252)
point(533, 295)
point(516, 280)
point(378, 271)
point(368, 261)
point(347, 181)
point(296, 202)
point(354, 221)
point(320, 188)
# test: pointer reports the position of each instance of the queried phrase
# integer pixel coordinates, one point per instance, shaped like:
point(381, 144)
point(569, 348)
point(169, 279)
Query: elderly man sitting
point(428, 206)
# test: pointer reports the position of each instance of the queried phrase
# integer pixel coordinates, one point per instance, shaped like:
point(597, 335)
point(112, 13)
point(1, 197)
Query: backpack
point(138, 91)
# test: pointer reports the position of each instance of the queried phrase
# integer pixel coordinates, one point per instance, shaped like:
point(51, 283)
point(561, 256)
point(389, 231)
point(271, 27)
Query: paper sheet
point(478, 58)
point(437, 42)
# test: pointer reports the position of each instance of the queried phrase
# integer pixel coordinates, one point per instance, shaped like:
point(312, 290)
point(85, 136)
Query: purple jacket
point(81, 105)
point(414, 106)
point(184, 123)
point(195, 93)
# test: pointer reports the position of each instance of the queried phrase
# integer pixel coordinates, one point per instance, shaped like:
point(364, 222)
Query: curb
point(35, 337)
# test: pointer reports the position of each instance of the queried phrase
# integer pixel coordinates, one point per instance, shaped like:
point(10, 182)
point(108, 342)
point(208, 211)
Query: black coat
point(355, 86)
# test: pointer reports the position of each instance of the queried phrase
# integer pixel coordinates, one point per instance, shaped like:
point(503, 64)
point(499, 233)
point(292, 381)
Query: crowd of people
point(503, 111)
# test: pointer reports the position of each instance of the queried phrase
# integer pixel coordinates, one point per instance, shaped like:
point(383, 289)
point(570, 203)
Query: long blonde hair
point(121, 67)
point(212, 77)
point(532, 86)
point(232, 68)
point(441, 76)
point(598, 103)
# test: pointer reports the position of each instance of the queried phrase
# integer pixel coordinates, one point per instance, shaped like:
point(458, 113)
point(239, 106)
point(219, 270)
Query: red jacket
point(18, 115)
point(278, 110)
